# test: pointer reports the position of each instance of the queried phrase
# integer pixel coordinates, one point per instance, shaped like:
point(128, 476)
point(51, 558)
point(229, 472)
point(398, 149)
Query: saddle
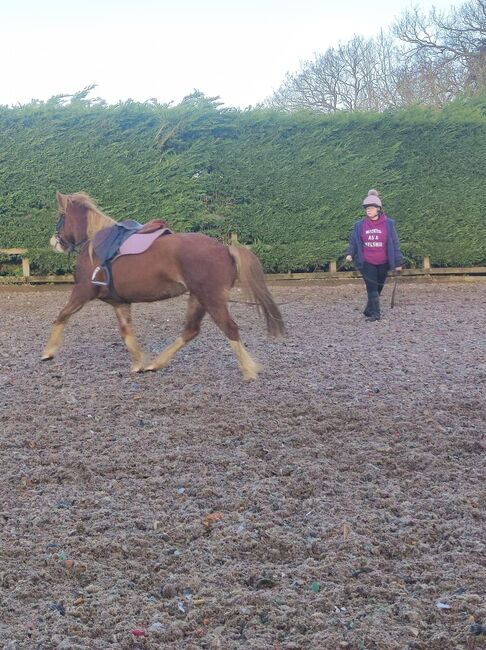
point(124, 238)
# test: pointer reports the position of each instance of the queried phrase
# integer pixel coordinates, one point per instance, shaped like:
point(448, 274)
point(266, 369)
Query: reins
point(341, 266)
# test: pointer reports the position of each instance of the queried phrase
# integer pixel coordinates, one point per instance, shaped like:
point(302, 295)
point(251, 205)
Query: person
point(375, 249)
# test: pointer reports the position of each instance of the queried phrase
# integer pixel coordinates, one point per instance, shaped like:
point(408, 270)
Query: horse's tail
point(250, 274)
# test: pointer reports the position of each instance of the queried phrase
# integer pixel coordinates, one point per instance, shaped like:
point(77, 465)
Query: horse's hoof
point(151, 368)
point(47, 357)
point(251, 371)
point(251, 375)
point(138, 369)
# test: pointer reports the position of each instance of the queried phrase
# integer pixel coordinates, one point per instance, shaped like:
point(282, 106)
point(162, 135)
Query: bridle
point(70, 247)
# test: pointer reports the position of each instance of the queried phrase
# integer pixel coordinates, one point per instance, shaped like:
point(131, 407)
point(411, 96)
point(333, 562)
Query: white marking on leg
point(249, 367)
point(167, 354)
point(53, 343)
point(135, 352)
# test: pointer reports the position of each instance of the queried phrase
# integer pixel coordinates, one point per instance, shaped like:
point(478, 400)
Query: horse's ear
point(61, 199)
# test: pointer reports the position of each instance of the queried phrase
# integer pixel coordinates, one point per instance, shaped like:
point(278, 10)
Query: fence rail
point(425, 270)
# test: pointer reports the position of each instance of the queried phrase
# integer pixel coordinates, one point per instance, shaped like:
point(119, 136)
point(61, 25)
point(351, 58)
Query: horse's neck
point(96, 222)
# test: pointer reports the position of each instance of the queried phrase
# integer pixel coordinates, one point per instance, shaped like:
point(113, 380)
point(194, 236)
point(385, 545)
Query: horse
point(174, 264)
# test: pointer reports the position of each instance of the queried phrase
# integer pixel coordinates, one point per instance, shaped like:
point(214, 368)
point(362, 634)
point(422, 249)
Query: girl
point(375, 248)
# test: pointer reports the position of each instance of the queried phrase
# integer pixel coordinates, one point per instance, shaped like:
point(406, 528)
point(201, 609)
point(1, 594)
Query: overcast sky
point(142, 49)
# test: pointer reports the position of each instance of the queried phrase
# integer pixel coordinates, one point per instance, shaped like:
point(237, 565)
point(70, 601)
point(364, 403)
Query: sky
point(239, 50)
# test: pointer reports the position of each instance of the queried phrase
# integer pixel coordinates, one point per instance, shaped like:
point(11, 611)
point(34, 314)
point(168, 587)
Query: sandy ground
point(338, 502)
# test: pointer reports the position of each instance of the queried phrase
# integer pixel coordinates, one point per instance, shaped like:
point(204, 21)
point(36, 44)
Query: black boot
point(374, 309)
point(367, 309)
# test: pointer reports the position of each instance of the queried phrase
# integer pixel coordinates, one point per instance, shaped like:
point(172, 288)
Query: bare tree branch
point(458, 38)
point(437, 57)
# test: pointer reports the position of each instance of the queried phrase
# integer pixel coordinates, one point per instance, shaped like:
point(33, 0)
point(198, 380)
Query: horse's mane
point(96, 220)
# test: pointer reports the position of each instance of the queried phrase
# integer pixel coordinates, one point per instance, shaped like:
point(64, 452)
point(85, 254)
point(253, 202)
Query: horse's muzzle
point(56, 244)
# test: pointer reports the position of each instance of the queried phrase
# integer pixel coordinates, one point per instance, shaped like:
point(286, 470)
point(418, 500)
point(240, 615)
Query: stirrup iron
point(100, 283)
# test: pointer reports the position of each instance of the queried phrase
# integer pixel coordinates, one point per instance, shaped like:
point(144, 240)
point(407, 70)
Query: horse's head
point(71, 226)
point(78, 220)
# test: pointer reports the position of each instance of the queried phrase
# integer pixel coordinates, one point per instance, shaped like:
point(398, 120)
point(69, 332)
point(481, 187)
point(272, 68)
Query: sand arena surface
point(338, 502)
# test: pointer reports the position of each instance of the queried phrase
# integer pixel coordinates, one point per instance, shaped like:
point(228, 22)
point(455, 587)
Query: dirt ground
point(337, 502)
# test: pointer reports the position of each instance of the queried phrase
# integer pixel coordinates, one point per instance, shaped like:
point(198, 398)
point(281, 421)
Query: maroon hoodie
point(374, 236)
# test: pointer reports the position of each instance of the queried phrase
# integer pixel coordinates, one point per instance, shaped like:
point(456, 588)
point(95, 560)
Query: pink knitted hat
point(372, 199)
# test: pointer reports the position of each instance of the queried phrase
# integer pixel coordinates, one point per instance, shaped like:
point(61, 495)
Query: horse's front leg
point(76, 301)
point(124, 316)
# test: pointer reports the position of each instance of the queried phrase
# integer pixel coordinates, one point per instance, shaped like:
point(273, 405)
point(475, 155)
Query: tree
point(453, 43)
point(357, 75)
point(423, 60)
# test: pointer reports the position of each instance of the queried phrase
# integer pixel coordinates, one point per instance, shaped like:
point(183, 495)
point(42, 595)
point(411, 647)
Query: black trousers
point(374, 276)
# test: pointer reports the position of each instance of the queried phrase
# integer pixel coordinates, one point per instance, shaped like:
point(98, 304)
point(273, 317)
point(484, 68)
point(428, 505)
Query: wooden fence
point(333, 273)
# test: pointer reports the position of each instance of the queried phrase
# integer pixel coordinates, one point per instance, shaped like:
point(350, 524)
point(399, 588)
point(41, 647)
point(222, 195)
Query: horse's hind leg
point(195, 314)
point(76, 301)
point(249, 367)
point(221, 316)
point(124, 316)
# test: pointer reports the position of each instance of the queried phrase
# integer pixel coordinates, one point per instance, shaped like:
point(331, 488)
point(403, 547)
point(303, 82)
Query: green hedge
point(48, 262)
point(290, 185)
point(298, 256)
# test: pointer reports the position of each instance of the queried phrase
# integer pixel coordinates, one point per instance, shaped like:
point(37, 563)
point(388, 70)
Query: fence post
point(25, 267)
point(426, 264)
point(333, 266)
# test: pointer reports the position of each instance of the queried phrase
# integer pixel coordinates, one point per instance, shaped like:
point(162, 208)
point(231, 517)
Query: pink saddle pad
point(137, 243)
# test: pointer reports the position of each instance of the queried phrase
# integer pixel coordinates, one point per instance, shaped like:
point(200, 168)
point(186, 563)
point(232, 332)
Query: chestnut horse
point(174, 264)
